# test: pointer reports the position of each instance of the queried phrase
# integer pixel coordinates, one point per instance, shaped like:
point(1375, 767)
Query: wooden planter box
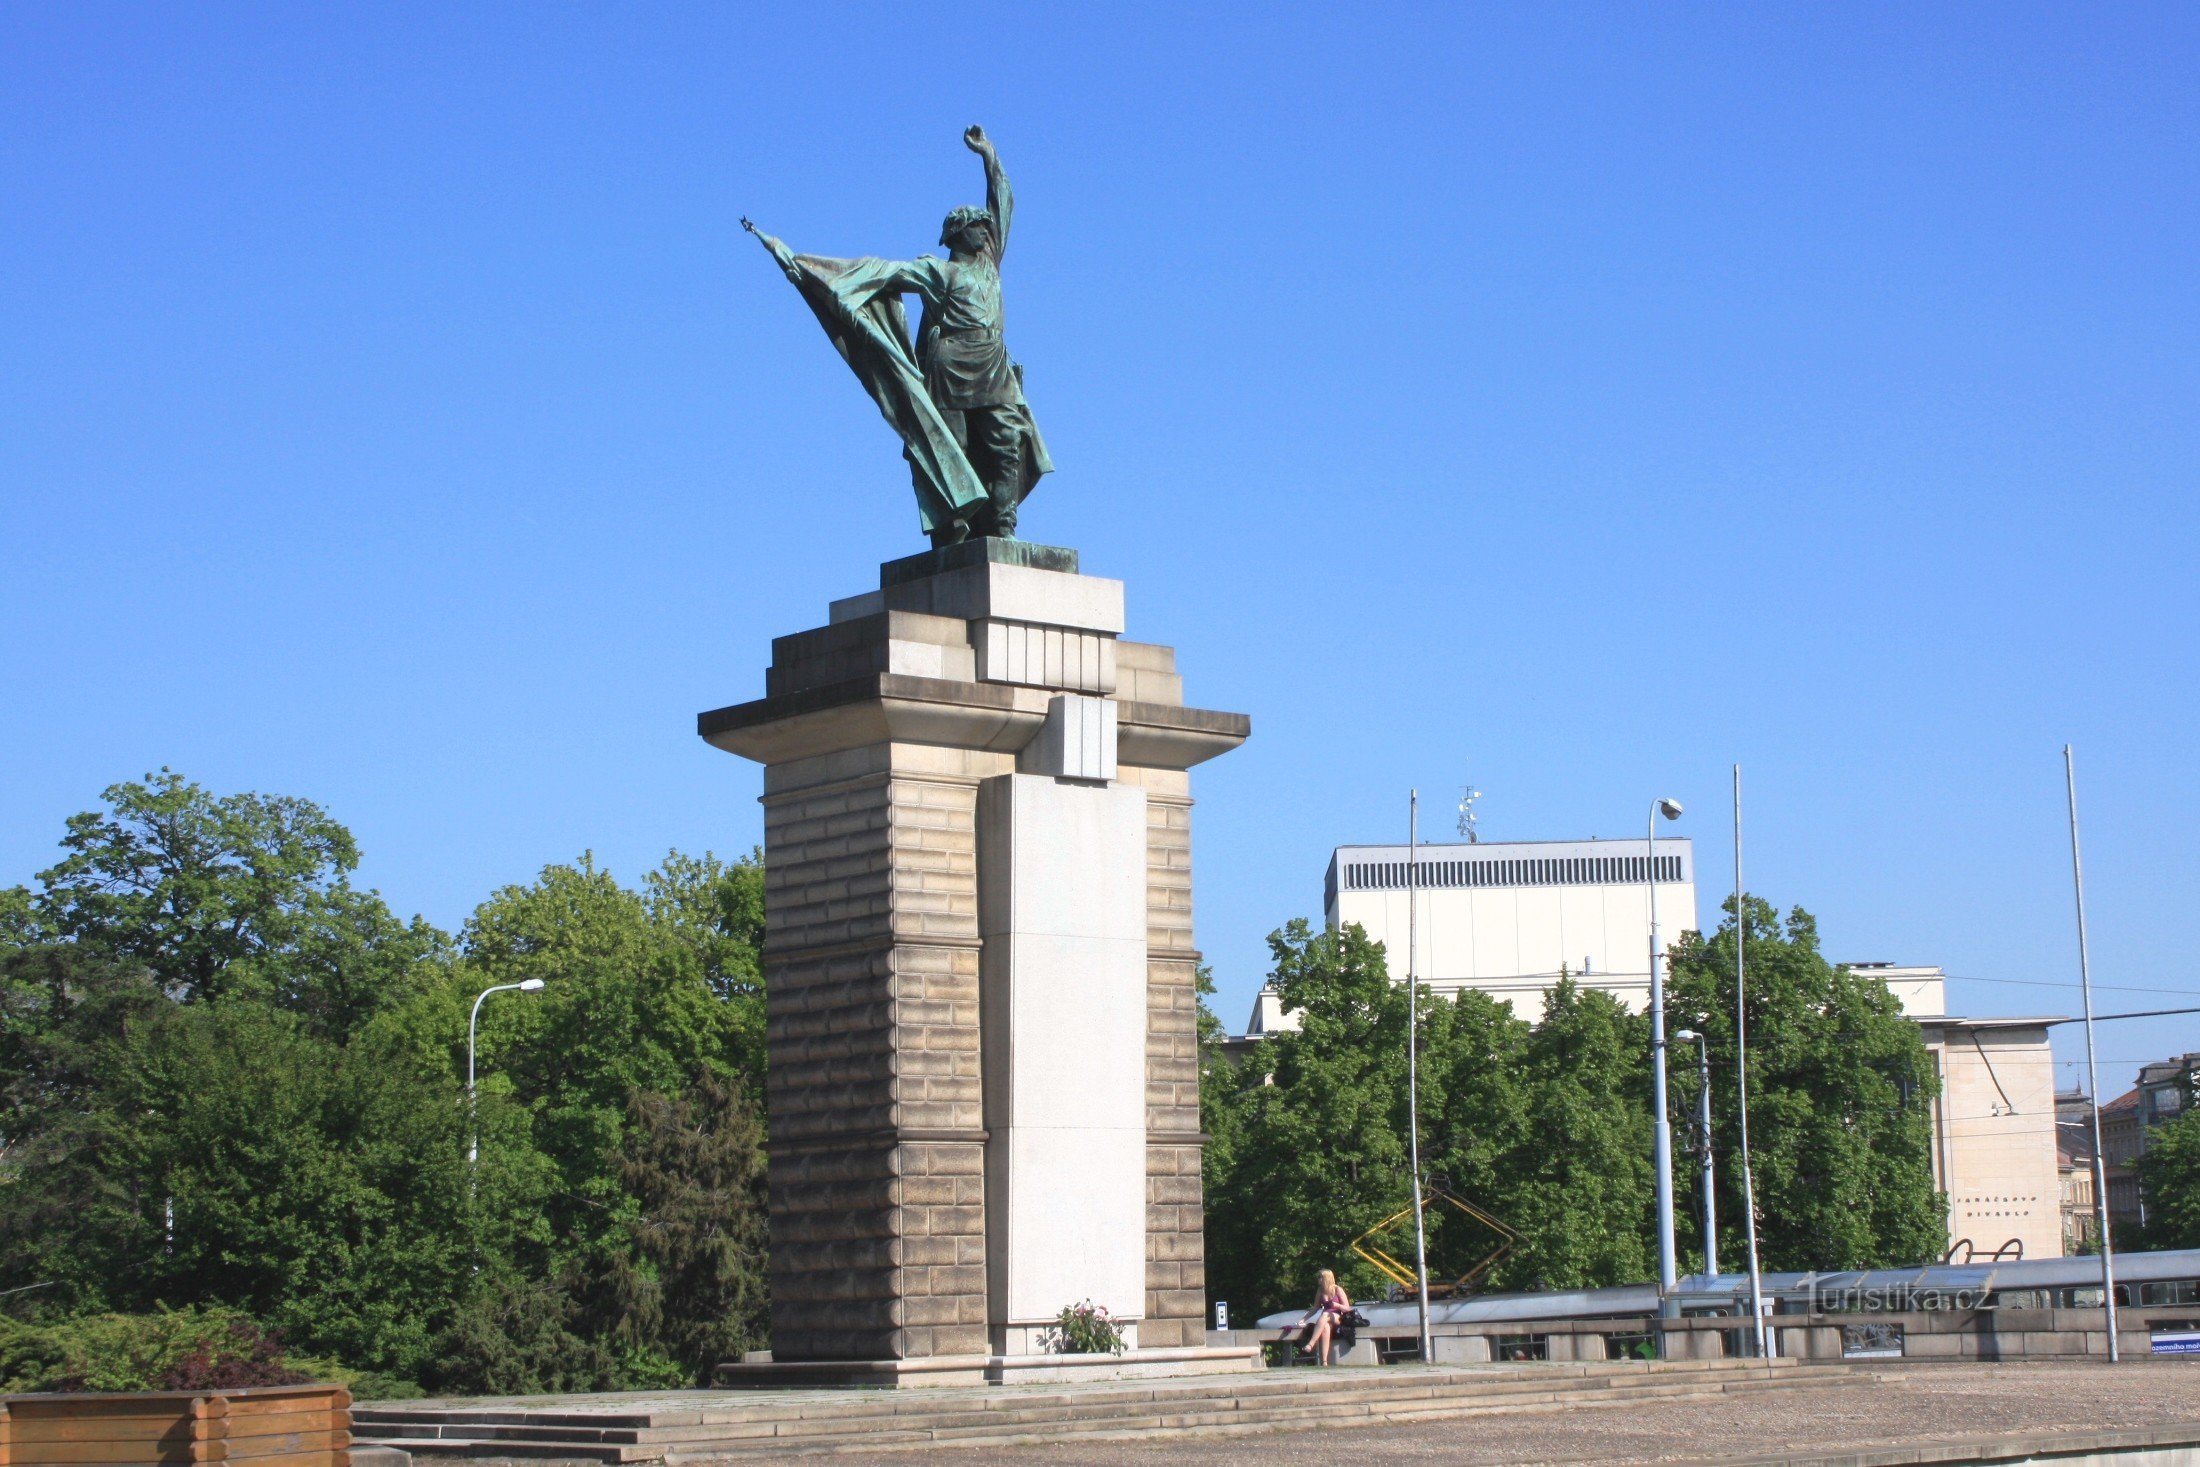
point(267, 1426)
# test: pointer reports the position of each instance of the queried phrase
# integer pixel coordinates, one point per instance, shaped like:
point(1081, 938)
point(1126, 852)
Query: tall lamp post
point(473, 1144)
point(1413, 1067)
point(1703, 1140)
point(1661, 1133)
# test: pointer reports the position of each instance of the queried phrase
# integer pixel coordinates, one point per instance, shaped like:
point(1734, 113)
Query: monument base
point(981, 986)
point(980, 1370)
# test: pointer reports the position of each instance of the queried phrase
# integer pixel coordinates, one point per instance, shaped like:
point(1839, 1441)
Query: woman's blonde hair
point(1326, 1279)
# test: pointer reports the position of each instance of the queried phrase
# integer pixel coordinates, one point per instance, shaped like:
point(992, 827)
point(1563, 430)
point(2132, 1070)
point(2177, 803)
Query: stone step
point(810, 1425)
point(1399, 1396)
point(1292, 1378)
point(545, 1452)
point(400, 1432)
point(1210, 1423)
point(506, 1416)
point(1385, 1381)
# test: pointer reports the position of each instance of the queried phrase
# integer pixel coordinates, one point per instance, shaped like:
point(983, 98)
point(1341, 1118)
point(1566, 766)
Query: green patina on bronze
point(954, 395)
point(977, 552)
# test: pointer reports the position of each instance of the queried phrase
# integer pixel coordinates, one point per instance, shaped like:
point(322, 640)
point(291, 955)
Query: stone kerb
point(877, 733)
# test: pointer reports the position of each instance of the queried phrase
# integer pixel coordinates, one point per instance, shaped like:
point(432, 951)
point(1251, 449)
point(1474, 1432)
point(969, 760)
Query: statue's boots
point(1004, 510)
point(998, 454)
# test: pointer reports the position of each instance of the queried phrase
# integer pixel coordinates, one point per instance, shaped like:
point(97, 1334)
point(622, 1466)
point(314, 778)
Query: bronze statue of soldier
point(955, 397)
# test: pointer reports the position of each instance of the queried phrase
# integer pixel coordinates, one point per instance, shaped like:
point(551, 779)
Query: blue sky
point(1569, 399)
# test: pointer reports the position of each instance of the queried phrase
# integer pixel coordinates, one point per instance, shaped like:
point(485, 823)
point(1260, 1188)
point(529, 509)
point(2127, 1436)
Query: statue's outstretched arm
point(779, 251)
point(1000, 200)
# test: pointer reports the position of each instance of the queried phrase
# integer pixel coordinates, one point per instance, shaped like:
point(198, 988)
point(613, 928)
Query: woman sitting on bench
point(1318, 1330)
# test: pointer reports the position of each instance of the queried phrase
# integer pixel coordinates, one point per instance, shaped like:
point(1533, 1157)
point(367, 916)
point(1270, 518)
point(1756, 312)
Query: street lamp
point(1703, 1139)
point(473, 1145)
point(1661, 1134)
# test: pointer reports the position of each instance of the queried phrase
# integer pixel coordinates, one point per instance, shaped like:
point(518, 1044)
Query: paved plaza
point(1912, 1405)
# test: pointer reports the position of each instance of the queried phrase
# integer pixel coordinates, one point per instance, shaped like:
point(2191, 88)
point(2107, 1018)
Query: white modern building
point(1510, 917)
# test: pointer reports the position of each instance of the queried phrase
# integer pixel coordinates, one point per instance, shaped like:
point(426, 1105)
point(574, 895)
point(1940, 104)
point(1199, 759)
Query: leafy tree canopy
point(216, 895)
point(233, 1080)
point(1547, 1125)
point(1839, 1090)
point(2169, 1174)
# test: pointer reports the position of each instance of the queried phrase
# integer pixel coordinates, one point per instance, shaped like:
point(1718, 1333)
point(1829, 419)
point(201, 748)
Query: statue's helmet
point(966, 217)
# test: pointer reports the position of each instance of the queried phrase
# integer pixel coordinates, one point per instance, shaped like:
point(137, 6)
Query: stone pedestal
point(984, 1070)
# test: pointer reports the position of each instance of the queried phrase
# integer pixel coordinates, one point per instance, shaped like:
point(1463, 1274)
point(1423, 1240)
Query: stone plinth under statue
point(984, 1083)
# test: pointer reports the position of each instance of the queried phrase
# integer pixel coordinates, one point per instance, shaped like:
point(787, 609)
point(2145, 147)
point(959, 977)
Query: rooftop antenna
point(1468, 794)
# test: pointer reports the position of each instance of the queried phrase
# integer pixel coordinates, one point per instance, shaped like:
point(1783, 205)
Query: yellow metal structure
point(1400, 1272)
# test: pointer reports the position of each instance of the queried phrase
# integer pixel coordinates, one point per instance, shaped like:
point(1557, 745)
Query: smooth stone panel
point(1461, 1349)
point(1062, 997)
point(1015, 593)
point(1079, 1058)
point(1057, 1236)
point(1076, 742)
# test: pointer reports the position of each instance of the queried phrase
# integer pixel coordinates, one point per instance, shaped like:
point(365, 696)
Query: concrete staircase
point(696, 1427)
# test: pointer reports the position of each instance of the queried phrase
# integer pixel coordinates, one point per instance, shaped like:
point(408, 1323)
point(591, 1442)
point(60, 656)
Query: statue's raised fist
point(975, 140)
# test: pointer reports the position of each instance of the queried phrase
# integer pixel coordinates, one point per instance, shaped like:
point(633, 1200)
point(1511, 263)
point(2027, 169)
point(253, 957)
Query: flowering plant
point(1083, 1329)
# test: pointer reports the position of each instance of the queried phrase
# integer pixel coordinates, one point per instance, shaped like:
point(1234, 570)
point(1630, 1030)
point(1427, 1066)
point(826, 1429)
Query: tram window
point(1522, 1347)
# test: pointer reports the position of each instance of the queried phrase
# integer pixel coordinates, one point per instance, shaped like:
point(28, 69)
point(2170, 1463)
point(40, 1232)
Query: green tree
point(232, 1080)
point(241, 894)
point(2169, 1176)
point(634, 1000)
point(1839, 1085)
point(692, 1289)
point(72, 1205)
point(1547, 1126)
point(1316, 1148)
point(1475, 1122)
point(1222, 1106)
point(1577, 1182)
point(712, 913)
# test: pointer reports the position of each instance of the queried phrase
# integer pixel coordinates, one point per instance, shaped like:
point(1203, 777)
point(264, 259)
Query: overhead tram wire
point(2073, 987)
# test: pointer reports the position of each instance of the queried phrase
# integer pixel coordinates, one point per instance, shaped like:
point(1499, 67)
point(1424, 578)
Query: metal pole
point(2092, 1066)
point(1759, 1330)
point(1413, 1063)
point(1661, 1133)
point(1703, 1127)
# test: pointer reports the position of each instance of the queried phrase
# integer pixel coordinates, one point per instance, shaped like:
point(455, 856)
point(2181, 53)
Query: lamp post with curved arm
point(473, 1144)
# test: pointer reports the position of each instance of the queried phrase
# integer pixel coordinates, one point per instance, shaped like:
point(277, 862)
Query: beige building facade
point(1994, 1122)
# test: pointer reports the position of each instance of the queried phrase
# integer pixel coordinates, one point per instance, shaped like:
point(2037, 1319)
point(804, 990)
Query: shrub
point(521, 1336)
point(173, 1350)
point(1084, 1329)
